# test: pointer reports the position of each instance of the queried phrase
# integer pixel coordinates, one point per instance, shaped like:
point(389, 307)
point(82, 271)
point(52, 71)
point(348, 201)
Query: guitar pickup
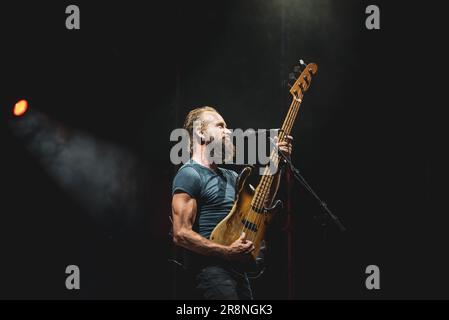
point(249, 225)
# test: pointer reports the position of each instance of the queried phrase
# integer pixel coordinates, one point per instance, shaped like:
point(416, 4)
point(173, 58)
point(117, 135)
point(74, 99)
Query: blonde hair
point(192, 116)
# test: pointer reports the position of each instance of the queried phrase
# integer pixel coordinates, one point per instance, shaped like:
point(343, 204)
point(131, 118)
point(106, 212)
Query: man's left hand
point(285, 146)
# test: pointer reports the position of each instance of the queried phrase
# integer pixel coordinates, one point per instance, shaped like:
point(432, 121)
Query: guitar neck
point(297, 90)
point(263, 189)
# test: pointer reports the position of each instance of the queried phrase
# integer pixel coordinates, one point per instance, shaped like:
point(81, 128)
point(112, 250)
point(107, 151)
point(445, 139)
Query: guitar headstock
point(302, 75)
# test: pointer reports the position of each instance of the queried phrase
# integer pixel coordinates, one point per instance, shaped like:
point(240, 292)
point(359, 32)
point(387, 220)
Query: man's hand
point(285, 146)
point(240, 249)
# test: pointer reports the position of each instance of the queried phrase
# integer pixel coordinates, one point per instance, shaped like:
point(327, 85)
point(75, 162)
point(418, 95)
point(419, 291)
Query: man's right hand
point(240, 249)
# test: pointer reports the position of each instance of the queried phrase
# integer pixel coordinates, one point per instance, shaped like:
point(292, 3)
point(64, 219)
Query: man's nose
point(227, 131)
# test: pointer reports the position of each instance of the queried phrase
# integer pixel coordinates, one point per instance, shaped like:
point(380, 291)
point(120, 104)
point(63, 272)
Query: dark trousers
point(221, 283)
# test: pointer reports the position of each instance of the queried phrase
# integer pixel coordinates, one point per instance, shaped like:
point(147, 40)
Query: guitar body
point(238, 220)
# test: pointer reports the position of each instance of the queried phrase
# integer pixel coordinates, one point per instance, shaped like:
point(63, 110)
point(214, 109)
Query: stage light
point(20, 108)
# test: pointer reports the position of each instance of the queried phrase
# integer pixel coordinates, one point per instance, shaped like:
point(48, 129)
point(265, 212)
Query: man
point(203, 194)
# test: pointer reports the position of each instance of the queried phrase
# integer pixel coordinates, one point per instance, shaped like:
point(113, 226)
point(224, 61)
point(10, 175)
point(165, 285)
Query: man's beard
point(221, 151)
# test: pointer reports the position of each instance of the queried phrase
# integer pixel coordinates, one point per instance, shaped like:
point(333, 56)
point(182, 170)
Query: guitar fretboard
point(263, 189)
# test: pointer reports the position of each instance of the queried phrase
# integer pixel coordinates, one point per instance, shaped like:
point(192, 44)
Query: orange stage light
point(20, 108)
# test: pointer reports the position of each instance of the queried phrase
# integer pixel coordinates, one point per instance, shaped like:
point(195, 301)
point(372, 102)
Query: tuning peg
point(301, 62)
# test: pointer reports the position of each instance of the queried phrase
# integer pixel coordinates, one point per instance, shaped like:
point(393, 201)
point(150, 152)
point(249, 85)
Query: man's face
point(217, 136)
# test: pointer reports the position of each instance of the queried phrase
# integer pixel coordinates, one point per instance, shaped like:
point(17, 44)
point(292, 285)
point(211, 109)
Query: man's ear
point(199, 134)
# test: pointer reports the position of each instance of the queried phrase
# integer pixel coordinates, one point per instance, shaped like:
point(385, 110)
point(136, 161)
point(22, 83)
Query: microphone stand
point(327, 214)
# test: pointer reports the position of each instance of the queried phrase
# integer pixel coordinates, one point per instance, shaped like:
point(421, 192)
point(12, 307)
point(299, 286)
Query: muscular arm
point(184, 209)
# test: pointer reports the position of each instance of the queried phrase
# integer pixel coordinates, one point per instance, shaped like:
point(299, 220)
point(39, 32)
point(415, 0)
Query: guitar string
point(265, 184)
point(259, 201)
point(286, 128)
point(288, 124)
point(267, 179)
point(261, 188)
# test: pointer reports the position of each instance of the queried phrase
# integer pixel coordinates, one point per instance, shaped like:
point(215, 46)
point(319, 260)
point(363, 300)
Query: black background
point(369, 138)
